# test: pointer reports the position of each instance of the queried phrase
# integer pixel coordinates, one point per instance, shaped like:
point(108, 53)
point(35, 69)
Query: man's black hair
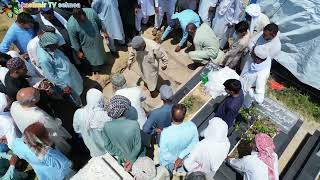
point(24, 18)
point(198, 175)
point(78, 12)
point(4, 58)
point(232, 85)
point(272, 27)
point(241, 27)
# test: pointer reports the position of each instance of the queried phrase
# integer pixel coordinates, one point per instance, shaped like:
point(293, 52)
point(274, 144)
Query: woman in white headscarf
point(208, 154)
point(89, 121)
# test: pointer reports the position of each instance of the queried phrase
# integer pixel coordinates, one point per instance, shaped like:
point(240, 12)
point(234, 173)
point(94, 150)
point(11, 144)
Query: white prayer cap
point(253, 10)
point(3, 102)
point(166, 92)
point(261, 52)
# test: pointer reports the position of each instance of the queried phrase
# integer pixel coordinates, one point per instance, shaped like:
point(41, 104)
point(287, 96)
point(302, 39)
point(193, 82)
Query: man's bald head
point(178, 113)
point(28, 96)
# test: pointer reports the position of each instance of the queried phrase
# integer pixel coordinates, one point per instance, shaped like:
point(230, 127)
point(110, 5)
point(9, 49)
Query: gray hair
point(198, 175)
point(30, 99)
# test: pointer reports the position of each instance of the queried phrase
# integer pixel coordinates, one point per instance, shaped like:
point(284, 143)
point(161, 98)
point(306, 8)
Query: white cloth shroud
point(215, 85)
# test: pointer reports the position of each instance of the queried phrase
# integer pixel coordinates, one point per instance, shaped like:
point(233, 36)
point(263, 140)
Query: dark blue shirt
point(228, 110)
point(158, 118)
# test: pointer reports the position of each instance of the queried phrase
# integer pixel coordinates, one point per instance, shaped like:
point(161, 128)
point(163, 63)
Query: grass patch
point(297, 101)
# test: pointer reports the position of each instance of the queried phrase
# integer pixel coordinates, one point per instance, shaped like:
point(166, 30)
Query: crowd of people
point(41, 84)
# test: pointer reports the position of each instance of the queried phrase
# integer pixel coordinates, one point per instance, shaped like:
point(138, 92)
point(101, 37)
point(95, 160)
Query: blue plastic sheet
point(299, 23)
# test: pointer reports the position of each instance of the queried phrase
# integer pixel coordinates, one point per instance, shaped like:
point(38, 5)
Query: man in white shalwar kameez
point(148, 53)
point(254, 76)
point(25, 112)
point(108, 12)
point(256, 18)
point(146, 9)
point(206, 10)
point(208, 155)
point(162, 7)
point(228, 14)
point(269, 39)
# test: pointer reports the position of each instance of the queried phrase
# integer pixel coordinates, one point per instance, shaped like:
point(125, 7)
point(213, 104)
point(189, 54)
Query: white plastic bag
point(215, 85)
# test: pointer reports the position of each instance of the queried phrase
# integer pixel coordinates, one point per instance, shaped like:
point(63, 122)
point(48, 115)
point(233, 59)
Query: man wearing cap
point(16, 77)
point(148, 53)
point(254, 76)
point(181, 20)
point(134, 94)
point(256, 18)
point(160, 118)
point(122, 135)
point(57, 68)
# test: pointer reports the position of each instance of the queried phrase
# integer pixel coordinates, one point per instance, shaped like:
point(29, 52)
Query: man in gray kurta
point(206, 45)
point(84, 28)
point(148, 54)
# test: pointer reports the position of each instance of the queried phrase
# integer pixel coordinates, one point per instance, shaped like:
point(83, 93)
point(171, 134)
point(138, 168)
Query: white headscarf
point(94, 113)
point(216, 131)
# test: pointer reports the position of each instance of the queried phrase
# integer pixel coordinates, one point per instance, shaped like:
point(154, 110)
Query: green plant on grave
point(188, 102)
point(261, 125)
point(247, 113)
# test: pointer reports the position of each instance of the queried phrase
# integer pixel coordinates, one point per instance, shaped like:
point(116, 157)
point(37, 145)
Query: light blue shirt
point(58, 70)
point(17, 36)
point(185, 17)
point(177, 141)
point(53, 166)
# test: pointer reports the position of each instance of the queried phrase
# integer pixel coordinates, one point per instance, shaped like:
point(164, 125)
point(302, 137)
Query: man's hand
point(127, 165)
point(25, 56)
point(157, 10)
point(177, 164)
point(13, 160)
point(164, 68)
point(158, 131)
point(80, 55)
point(105, 35)
point(178, 48)
point(67, 90)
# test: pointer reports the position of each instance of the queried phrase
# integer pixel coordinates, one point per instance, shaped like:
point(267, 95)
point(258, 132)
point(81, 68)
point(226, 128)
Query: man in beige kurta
point(148, 53)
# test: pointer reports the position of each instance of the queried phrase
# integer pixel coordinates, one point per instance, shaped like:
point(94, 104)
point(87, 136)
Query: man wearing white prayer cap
point(256, 18)
point(254, 76)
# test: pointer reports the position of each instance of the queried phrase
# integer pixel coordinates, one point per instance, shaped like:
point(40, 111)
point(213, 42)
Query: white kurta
point(7, 127)
point(146, 10)
point(273, 47)
point(148, 62)
point(26, 116)
point(136, 96)
point(253, 168)
point(208, 155)
point(32, 51)
point(3, 73)
point(261, 21)
point(227, 15)
point(203, 11)
point(165, 6)
point(108, 12)
point(254, 84)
